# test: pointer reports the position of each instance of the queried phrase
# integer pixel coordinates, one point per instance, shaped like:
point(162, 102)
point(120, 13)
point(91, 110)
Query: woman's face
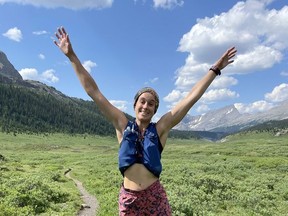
point(145, 106)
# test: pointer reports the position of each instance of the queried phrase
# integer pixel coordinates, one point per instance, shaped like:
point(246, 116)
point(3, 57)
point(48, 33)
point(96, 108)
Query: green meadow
point(247, 174)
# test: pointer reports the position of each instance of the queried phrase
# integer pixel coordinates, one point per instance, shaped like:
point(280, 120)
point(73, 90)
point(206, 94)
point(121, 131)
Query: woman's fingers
point(63, 30)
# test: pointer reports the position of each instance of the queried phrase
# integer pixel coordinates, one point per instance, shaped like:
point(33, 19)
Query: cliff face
point(8, 73)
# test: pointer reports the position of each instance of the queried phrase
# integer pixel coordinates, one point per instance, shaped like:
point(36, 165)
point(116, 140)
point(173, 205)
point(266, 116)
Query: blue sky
point(165, 44)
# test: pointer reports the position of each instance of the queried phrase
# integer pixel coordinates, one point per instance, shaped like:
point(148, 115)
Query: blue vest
point(136, 149)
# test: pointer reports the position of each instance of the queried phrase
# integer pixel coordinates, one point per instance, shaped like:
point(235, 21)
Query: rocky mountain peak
point(228, 119)
point(9, 75)
point(209, 120)
point(7, 70)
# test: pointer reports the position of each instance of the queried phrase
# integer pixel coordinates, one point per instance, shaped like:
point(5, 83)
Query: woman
point(141, 141)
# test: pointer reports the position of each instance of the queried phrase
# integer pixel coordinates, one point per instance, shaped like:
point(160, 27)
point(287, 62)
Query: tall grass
point(245, 175)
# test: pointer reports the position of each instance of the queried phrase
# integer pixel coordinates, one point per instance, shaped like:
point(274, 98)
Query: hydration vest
point(135, 148)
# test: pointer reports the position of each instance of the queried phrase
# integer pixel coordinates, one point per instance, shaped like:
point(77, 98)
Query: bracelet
point(216, 70)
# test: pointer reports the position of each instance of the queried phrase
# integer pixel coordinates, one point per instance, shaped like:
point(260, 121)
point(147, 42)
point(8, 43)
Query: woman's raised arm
point(173, 117)
point(113, 114)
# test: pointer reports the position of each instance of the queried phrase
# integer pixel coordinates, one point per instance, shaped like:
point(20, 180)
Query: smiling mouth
point(144, 113)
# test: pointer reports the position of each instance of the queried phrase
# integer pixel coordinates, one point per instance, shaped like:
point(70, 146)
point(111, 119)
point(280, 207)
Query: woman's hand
point(63, 41)
point(226, 58)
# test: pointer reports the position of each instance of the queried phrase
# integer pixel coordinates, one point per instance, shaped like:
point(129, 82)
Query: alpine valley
point(17, 115)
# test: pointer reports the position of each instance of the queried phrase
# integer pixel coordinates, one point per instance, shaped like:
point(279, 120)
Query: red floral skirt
point(151, 202)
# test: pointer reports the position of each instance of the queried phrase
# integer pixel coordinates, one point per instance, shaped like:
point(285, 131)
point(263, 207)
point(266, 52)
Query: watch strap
point(216, 70)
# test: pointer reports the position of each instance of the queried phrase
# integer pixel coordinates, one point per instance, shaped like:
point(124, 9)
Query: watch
point(216, 70)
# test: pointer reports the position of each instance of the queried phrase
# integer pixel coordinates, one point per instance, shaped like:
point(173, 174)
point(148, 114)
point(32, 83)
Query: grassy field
point(245, 175)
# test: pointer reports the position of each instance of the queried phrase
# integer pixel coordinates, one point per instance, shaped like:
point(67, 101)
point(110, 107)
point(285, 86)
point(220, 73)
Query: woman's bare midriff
point(138, 177)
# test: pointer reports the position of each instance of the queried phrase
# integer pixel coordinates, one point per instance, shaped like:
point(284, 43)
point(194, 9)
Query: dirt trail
point(90, 204)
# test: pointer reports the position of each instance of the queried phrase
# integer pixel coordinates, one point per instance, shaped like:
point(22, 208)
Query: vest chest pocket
point(130, 135)
point(152, 137)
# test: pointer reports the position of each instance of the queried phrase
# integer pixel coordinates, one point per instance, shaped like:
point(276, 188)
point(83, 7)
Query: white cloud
point(47, 76)
point(167, 4)
point(202, 108)
point(173, 98)
point(257, 47)
point(88, 65)
point(208, 97)
point(259, 34)
point(28, 73)
point(190, 73)
point(151, 81)
point(122, 105)
point(284, 73)
point(258, 106)
point(175, 95)
point(261, 57)
point(219, 95)
point(40, 32)
point(70, 4)
point(154, 80)
point(41, 56)
point(14, 34)
point(248, 24)
point(279, 93)
point(224, 82)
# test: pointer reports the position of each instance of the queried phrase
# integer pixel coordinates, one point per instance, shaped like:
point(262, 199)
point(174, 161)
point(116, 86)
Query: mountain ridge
point(229, 120)
point(211, 125)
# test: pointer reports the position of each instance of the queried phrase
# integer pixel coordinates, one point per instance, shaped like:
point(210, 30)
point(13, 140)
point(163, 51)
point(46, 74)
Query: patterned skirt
point(151, 202)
